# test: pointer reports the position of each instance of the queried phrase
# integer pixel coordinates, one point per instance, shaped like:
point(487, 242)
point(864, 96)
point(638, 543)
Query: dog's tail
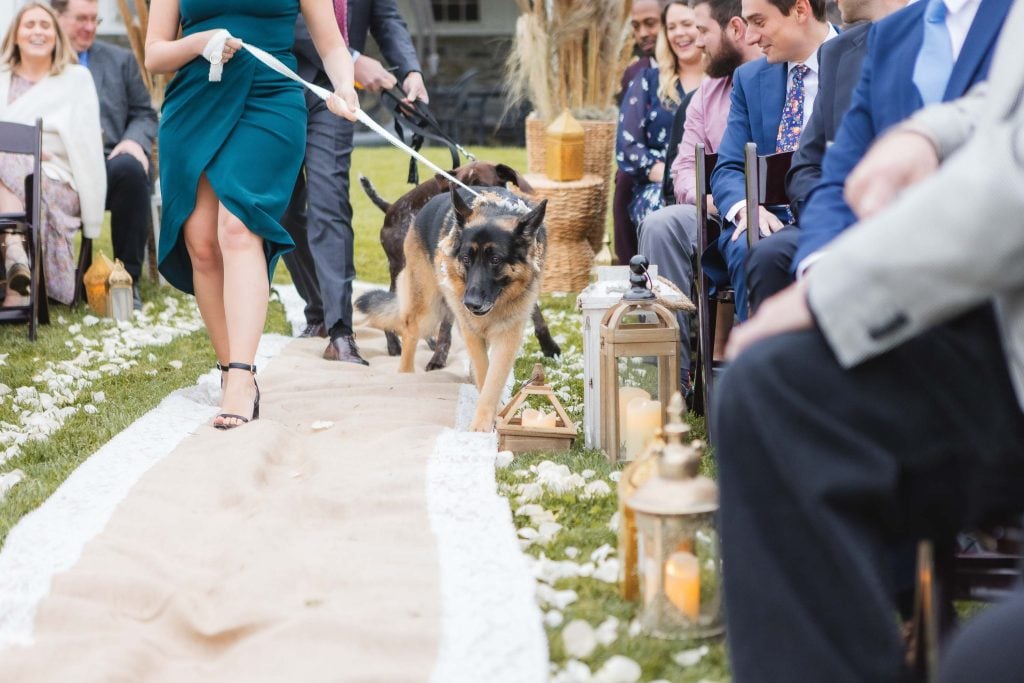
point(381, 309)
point(371, 192)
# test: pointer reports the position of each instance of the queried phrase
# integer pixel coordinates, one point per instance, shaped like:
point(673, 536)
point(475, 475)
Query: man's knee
point(672, 228)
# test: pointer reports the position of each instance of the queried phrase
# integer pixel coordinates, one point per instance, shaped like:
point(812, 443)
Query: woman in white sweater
point(39, 78)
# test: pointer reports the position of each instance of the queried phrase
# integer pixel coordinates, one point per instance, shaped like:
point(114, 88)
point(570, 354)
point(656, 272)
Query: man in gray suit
point(880, 397)
point(319, 217)
point(129, 125)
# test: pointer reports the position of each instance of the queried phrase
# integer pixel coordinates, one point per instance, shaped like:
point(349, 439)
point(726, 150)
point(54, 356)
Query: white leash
point(213, 53)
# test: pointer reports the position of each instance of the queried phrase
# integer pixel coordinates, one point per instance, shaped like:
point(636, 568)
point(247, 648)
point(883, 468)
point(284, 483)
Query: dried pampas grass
point(567, 53)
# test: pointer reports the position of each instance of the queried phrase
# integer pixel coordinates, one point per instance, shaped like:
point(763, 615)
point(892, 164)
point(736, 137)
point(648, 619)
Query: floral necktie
point(341, 12)
point(792, 123)
point(935, 59)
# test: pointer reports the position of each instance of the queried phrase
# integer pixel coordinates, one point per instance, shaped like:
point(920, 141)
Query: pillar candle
point(643, 418)
point(682, 583)
point(627, 394)
point(538, 418)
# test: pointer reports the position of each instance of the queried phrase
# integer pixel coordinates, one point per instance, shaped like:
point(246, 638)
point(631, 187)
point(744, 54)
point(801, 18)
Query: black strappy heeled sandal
point(223, 369)
point(255, 403)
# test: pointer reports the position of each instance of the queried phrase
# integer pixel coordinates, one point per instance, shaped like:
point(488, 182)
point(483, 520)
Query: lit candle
point(538, 418)
point(682, 583)
point(627, 394)
point(643, 418)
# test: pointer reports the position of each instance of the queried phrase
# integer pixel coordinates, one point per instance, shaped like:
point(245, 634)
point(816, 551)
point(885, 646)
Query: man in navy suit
point(768, 266)
point(789, 33)
point(885, 95)
point(319, 217)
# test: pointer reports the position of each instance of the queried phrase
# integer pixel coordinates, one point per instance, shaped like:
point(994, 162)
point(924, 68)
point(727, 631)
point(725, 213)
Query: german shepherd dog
point(480, 258)
point(401, 213)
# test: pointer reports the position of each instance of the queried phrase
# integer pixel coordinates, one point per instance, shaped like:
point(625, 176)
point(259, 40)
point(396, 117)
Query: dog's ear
point(462, 210)
point(507, 174)
point(529, 223)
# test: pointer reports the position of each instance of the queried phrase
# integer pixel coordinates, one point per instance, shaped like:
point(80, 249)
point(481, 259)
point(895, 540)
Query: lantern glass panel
point(120, 303)
point(679, 567)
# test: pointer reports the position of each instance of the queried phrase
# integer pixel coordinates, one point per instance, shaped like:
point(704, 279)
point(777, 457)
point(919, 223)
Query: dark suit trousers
point(319, 219)
point(769, 265)
point(824, 470)
point(128, 202)
point(989, 648)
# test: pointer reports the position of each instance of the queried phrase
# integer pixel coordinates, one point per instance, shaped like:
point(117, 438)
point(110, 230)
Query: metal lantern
point(120, 303)
point(533, 429)
point(95, 280)
point(639, 367)
point(678, 555)
point(564, 148)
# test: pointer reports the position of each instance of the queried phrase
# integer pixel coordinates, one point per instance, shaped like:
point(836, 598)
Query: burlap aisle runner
point(272, 552)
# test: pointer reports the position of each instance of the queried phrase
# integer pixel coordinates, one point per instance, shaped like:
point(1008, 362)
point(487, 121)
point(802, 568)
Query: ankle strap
point(222, 368)
point(240, 366)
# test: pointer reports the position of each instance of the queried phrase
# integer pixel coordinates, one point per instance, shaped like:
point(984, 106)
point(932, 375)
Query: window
point(456, 10)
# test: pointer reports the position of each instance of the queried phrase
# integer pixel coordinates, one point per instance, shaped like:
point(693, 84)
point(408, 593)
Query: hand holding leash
point(344, 103)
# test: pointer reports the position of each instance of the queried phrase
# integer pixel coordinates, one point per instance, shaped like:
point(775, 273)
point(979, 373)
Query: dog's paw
point(436, 364)
point(550, 348)
point(483, 421)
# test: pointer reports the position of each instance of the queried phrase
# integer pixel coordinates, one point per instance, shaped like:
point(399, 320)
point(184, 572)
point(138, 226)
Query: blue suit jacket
point(885, 95)
point(758, 96)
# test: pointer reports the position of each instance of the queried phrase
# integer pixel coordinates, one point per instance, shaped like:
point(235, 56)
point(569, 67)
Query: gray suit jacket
point(948, 244)
point(126, 110)
point(380, 18)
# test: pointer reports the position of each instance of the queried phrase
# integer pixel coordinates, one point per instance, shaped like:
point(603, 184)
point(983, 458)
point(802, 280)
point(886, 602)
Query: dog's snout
point(475, 302)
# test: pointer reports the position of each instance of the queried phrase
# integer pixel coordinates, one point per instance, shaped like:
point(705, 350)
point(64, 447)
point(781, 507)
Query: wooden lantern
point(542, 432)
point(639, 367)
point(564, 149)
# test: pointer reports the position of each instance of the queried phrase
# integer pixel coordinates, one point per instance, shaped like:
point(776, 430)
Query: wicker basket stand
point(573, 209)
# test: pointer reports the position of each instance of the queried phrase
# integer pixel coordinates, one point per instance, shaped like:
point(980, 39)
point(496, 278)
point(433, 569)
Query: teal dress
point(247, 133)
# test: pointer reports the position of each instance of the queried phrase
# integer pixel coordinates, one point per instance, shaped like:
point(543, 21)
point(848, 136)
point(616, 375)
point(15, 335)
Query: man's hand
point(372, 75)
point(415, 89)
point(893, 163)
point(767, 222)
point(787, 311)
point(712, 209)
point(133, 148)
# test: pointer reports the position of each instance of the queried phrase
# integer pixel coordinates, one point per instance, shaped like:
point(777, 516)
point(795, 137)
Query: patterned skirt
point(61, 220)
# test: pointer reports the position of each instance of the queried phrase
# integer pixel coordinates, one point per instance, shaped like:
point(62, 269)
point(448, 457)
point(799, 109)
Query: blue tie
point(935, 60)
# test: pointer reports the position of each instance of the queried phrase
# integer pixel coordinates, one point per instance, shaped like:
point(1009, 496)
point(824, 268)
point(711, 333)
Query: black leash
point(421, 123)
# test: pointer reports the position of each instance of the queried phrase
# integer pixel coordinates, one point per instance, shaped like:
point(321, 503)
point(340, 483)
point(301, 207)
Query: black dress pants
point(128, 193)
point(825, 470)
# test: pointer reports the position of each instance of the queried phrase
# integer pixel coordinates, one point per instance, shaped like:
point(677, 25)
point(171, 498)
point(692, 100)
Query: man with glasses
point(129, 126)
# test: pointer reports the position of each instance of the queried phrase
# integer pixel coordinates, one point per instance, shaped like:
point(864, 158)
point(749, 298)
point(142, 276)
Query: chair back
point(20, 138)
point(766, 184)
point(707, 233)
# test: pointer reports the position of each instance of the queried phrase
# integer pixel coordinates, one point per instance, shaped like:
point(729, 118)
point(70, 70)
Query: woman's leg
point(207, 267)
point(13, 247)
point(245, 293)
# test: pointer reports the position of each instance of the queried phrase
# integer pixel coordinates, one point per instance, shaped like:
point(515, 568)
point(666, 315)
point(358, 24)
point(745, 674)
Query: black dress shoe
point(314, 330)
point(344, 348)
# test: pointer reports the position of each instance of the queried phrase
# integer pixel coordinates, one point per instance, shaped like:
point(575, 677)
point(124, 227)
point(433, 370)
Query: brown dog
point(401, 214)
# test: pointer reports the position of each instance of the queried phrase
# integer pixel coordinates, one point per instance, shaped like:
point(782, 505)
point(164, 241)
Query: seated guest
point(645, 117)
point(645, 19)
point(40, 79)
point(129, 126)
point(880, 399)
point(772, 98)
point(890, 87)
point(668, 236)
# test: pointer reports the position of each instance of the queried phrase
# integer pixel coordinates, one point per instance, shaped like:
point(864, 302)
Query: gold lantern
point(119, 293)
point(95, 280)
point(678, 554)
point(639, 367)
point(535, 429)
point(564, 148)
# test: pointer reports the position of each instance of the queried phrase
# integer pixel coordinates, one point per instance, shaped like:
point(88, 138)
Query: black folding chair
point(707, 305)
point(17, 138)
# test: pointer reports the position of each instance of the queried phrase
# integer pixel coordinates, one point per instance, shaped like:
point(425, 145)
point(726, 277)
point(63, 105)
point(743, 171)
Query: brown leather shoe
point(314, 330)
point(344, 349)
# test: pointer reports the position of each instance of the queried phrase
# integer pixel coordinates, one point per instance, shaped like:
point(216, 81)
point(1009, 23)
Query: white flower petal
point(320, 425)
point(579, 639)
point(688, 658)
point(504, 459)
point(619, 669)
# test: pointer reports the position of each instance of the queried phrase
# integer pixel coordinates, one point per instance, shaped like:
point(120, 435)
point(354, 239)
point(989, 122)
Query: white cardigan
point(72, 135)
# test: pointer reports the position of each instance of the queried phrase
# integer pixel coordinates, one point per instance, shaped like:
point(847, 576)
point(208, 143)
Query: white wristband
point(214, 53)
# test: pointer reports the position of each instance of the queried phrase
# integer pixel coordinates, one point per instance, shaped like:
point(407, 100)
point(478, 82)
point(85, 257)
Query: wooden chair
point(707, 306)
point(766, 184)
point(17, 138)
